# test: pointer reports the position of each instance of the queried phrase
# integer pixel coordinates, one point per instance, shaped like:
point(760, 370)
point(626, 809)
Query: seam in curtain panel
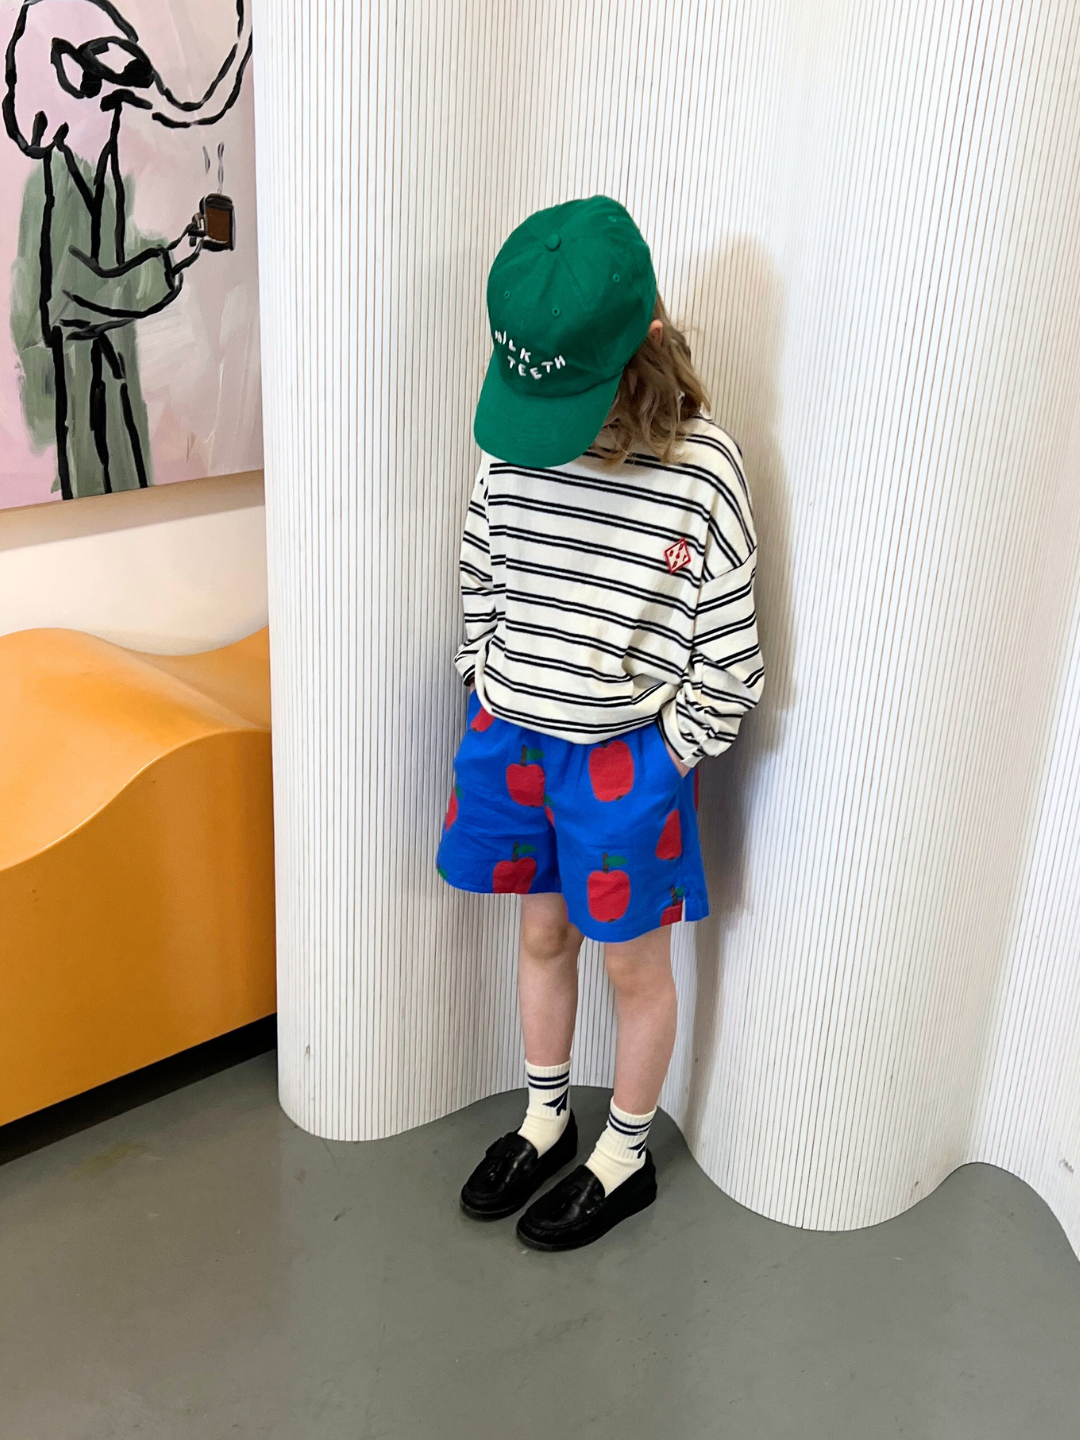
point(868, 216)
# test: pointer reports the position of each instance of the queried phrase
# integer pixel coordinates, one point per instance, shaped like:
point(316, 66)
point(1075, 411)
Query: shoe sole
point(579, 1242)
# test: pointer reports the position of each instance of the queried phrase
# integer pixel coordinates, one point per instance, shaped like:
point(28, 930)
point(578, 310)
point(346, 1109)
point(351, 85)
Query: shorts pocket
point(479, 721)
point(664, 755)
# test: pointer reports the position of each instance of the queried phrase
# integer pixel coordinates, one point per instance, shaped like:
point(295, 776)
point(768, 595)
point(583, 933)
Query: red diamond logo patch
point(677, 556)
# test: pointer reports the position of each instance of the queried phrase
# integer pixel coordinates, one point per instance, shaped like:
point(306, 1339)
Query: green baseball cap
point(570, 299)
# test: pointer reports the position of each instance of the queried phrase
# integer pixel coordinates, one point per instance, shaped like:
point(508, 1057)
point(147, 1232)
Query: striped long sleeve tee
point(598, 599)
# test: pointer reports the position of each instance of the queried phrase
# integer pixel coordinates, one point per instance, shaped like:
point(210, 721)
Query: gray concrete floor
point(198, 1267)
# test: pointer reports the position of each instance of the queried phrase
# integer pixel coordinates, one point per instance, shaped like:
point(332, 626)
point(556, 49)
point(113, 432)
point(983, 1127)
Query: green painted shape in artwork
point(36, 383)
point(77, 299)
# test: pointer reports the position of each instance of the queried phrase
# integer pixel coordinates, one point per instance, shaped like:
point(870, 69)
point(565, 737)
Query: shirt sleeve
point(726, 673)
point(477, 587)
point(88, 298)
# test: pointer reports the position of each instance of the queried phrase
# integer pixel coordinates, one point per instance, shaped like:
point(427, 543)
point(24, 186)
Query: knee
point(632, 977)
point(547, 940)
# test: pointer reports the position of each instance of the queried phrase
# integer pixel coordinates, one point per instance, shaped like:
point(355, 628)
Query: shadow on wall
point(740, 303)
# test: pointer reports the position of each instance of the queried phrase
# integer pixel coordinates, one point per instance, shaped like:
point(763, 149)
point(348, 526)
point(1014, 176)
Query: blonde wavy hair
point(659, 392)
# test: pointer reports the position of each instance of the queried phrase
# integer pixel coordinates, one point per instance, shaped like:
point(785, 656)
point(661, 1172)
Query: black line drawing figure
point(83, 276)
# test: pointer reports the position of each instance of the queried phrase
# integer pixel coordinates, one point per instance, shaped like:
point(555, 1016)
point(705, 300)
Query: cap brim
point(539, 430)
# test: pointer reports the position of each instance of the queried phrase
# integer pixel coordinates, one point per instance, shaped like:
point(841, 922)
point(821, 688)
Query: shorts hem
point(487, 890)
point(618, 934)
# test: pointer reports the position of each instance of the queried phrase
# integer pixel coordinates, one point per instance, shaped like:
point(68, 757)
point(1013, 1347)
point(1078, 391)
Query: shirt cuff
point(688, 755)
point(465, 664)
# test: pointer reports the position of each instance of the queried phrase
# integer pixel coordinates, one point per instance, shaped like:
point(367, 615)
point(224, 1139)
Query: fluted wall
point(868, 216)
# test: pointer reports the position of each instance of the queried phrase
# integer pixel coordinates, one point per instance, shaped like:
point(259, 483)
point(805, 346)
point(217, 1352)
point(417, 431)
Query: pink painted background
point(199, 358)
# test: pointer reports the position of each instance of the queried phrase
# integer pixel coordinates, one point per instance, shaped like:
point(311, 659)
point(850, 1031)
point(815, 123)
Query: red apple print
point(669, 846)
point(482, 719)
point(611, 770)
point(609, 890)
point(452, 808)
point(697, 786)
point(526, 780)
point(674, 911)
point(548, 811)
point(513, 877)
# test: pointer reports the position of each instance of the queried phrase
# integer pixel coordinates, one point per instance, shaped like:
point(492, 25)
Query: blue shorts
point(612, 827)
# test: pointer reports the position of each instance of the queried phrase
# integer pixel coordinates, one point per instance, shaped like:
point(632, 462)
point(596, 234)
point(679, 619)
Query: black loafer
point(511, 1171)
point(576, 1211)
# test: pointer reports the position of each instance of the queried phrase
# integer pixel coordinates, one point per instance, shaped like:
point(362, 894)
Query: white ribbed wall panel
point(868, 215)
point(1031, 1122)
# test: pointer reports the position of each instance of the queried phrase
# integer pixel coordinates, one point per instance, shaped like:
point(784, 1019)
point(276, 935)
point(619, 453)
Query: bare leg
point(547, 978)
point(640, 971)
point(547, 969)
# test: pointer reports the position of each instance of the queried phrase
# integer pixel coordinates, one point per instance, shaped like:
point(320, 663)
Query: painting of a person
point(84, 275)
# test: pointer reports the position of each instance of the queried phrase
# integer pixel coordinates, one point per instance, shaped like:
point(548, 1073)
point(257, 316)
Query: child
point(607, 574)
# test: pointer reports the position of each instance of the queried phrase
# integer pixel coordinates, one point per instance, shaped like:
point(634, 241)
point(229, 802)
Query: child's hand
point(683, 770)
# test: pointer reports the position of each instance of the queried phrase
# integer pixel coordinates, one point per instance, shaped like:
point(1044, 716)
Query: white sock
point(620, 1151)
point(549, 1104)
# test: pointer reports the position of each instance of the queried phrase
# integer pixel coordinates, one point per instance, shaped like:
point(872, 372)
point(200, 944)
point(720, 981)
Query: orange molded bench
point(136, 857)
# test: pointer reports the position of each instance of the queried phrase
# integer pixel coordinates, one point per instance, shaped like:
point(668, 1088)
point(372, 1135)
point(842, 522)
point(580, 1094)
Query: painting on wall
point(129, 351)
